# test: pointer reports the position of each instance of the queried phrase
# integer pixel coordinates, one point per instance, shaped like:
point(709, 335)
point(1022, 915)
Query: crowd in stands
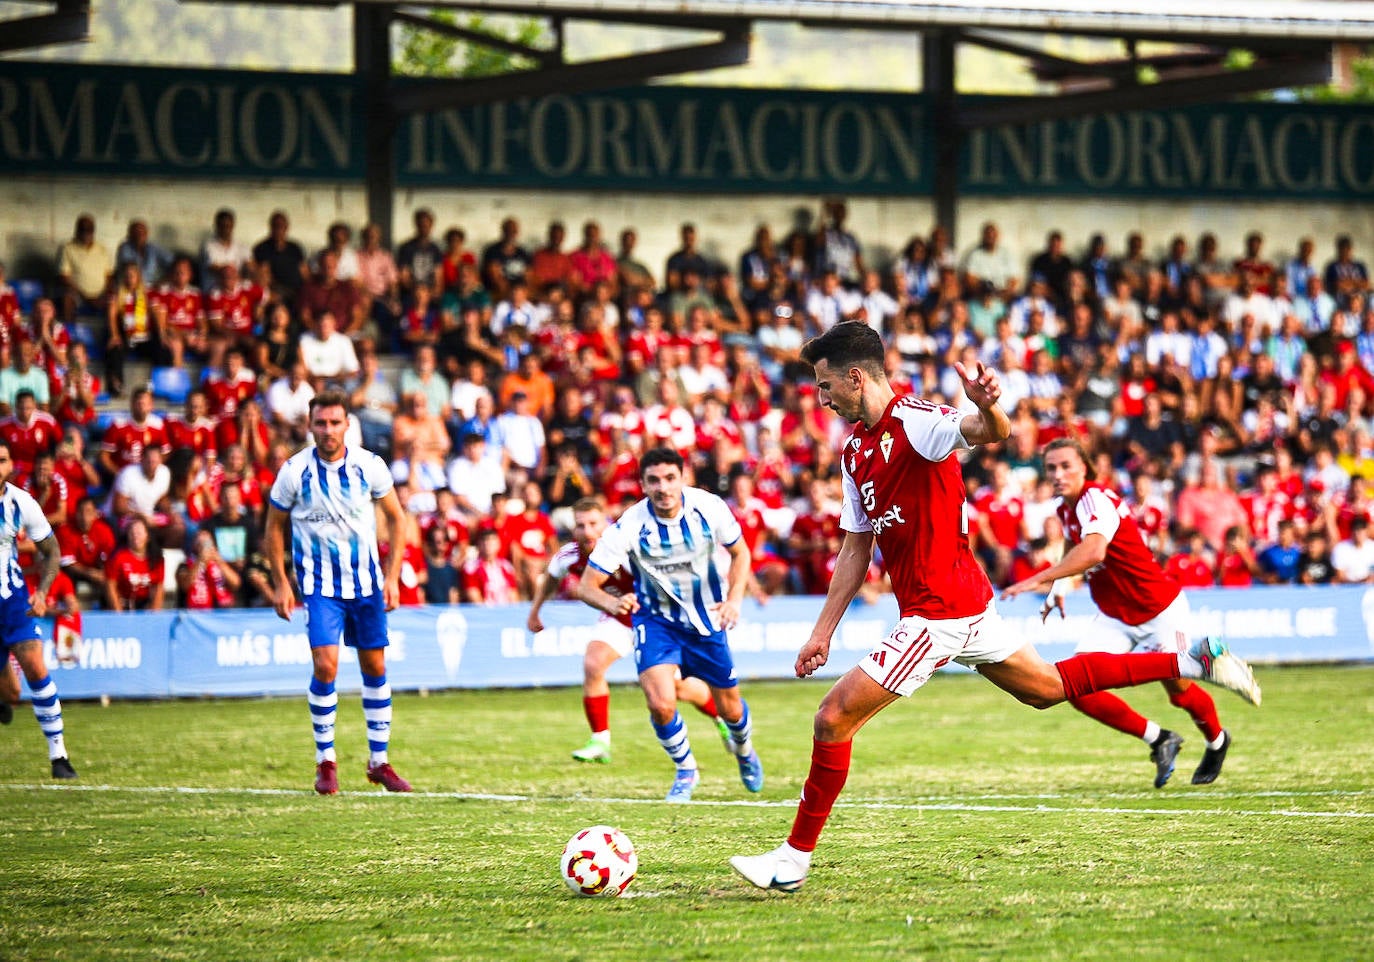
point(1228, 399)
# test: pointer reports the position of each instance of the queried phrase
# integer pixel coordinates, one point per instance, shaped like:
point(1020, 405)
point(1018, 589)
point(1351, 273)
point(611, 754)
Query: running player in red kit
point(903, 491)
point(1150, 610)
point(612, 638)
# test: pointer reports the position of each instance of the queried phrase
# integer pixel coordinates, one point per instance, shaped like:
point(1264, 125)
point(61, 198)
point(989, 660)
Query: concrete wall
point(37, 214)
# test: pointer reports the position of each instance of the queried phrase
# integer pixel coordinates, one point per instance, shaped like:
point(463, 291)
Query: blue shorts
point(16, 624)
point(699, 656)
point(360, 622)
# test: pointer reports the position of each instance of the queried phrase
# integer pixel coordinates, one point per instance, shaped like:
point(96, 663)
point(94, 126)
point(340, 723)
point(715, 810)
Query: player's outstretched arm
point(1089, 553)
point(851, 568)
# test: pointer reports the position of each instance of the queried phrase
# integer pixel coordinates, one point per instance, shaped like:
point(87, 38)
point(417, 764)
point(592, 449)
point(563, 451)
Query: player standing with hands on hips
point(903, 490)
point(326, 497)
point(1148, 607)
point(681, 609)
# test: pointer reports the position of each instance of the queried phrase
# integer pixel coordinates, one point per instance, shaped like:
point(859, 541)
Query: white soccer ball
point(599, 860)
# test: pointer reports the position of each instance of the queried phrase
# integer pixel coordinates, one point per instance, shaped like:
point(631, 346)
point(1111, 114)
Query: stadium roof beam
point(545, 58)
point(1297, 72)
point(70, 22)
point(731, 50)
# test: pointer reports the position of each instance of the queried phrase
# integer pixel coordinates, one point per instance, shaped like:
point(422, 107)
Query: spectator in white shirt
point(466, 391)
point(329, 354)
point(879, 307)
point(474, 476)
point(221, 250)
point(827, 303)
point(288, 402)
point(521, 435)
point(1171, 341)
point(1353, 558)
point(518, 311)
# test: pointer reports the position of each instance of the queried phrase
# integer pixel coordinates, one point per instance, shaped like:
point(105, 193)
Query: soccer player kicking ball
point(1147, 605)
point(21, 634)
point(903, 489)
point(325, 496)
point(612, 637)
point(680, 608)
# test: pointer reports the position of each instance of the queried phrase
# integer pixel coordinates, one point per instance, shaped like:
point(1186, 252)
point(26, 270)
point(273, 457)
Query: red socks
point(1196, 702)
point(1093, 671)
point(598, 711)
point(825, 781)
point(708, 707)
point(1112, 712)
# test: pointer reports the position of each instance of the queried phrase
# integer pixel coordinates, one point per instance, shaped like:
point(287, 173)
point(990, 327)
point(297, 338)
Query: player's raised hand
point(813, 654)
point(981, 384)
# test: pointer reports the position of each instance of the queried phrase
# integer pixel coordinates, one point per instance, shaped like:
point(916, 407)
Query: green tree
point(427, 53)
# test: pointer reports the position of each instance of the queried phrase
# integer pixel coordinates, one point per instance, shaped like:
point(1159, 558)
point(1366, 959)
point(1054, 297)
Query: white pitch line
point(915, 806)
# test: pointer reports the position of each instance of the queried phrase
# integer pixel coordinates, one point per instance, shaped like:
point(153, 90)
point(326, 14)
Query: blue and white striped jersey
point(18, 512)
point(333, 520)
point(673, 562)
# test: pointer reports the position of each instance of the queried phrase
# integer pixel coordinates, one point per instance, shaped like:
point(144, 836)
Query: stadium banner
point(114, 119)
point(252, 652)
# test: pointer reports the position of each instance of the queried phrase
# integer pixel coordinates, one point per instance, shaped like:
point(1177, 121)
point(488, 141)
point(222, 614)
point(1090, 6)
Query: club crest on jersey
point(885, 445)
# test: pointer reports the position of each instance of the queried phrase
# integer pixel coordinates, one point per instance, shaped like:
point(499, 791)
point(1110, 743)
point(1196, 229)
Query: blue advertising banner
point(105, 119)
point(252, 652)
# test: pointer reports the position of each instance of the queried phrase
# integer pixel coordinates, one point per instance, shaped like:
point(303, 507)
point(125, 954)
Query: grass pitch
point(971, 828)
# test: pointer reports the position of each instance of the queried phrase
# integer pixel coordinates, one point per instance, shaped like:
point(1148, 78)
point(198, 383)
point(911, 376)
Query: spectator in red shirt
point(1001, 513)
point(815, 537)
point(1236, 562)
point(235, 313)
point(29, 432)
point(326, 293)
point(49, 489)
point(72, 388)
point(489, 579)
point(123, 443)
point(71, 463)
point(134, 573)
point(592, 263)
point(179, 319)
point(530, 538)
point(203, 580)
point(86, 542)
point(196, 431)
point(550, 266)
point(1191, 567)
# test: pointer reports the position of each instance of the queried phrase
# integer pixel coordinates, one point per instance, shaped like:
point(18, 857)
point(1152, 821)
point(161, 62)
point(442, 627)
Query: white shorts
point(1167, 631)
point(917, 647)
point(618, 636)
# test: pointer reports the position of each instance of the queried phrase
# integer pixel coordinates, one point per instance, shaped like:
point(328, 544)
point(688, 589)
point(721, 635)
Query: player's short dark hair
point(847, 344)
point(657, 456)
point(24, 392)
point(1077, 447)
point(328, 399)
